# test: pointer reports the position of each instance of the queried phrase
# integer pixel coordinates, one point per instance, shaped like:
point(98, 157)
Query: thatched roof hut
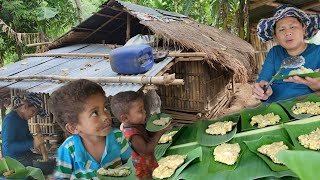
point(109, 25)
point(207, 59)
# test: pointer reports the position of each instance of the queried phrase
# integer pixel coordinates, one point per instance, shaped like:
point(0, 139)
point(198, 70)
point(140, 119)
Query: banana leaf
point(262, 109)
point(313, 75)
point(154, 128)
point(288, 104)
point(21, 172)
point(304, 163)
point(254, 145)
point(130, 177)
point(161, 149)
point(205, 139)
point(250, 167)
point(295, 130)
point(191, 156)
point(218, 166)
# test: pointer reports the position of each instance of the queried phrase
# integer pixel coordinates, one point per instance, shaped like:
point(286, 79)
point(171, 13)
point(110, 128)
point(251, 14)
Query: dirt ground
point(242, 98)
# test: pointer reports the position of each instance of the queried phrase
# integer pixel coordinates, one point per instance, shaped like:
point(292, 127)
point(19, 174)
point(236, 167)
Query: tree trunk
point(225, 15)
point(241, 21)
point(1, 60)
point(247, 22)
point(79, 10)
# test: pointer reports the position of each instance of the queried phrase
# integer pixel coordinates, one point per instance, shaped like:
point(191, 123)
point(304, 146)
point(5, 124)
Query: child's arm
point(140, 145)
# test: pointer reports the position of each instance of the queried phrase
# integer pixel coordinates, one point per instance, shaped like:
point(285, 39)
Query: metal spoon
point(289, 62)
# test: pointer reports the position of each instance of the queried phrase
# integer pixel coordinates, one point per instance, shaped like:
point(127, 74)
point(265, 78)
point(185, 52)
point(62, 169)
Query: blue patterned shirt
point(284, 90)
point(74, 161)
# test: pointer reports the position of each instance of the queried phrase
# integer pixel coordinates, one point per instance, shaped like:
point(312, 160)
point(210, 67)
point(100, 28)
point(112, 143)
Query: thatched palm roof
point(223, 49)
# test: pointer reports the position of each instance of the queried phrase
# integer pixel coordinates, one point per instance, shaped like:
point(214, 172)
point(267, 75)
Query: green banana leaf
point(255, 144)
point(205, 139)
point(154, 128)
point(21, 172)
point(250, 167)
point(296, 130)
point(313, 75)
point(217, 166)
point(263, 109)
point(304, 163)
point(161, 149)
point(288, 104)
point(130, 177)
point(253, 166)
point(191, 156)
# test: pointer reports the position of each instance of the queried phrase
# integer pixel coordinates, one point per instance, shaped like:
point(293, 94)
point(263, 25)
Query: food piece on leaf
point(311, 141)
point(168, 165)
point(167, 137)
point(272, 149)
point(220, 128)
point(227, 153)
point(265, 120)
point(162, 121)
point(8, 173)
point(301, 70)
point(118, 172)
point(306, 108)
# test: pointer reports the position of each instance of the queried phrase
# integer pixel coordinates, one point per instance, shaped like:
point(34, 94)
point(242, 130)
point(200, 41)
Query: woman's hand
point(258, 91)
point(312, 83)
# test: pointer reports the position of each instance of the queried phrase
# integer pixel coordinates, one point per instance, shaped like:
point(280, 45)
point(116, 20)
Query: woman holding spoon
point(289, 26)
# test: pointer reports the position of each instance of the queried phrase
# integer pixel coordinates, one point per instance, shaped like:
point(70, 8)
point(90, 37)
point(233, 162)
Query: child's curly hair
point(67, 102)
point(121, 102)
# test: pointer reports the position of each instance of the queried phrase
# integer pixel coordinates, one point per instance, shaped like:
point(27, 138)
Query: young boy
point(79, 107)
point(128, 107)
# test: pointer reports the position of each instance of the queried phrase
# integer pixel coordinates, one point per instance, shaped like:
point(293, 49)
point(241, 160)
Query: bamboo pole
point(38, 44)
point(186, 54)
point(128, 33)
point(161, 80)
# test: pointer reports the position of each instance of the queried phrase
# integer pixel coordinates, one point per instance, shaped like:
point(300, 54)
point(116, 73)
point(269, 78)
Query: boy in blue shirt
point(79, 107)
point(289, 26)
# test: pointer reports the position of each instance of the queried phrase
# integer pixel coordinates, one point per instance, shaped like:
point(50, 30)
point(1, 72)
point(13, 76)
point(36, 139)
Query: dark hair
point(274, 27)
point(121, 102)
point(68, 101)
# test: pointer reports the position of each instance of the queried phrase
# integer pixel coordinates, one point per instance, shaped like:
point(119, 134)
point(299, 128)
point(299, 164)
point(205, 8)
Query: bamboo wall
point(200, 92)
point(48, 126)
point(261, 49)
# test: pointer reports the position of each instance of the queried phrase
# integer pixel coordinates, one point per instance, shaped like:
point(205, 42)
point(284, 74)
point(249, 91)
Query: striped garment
point(74, 162)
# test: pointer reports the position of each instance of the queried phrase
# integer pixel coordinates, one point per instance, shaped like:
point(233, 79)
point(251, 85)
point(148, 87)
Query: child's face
point(137, 113)
point(95, 119)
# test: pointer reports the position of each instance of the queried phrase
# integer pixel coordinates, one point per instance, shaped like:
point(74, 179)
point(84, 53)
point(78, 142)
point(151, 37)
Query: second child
point(79, 107)
point(128, 108)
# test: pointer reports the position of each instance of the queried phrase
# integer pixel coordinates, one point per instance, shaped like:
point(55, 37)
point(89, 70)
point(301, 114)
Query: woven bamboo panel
point(261, 49)
point(202, 84)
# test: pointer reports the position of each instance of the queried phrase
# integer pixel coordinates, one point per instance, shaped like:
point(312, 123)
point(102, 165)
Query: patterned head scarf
point(265, 26)
point(33, 99)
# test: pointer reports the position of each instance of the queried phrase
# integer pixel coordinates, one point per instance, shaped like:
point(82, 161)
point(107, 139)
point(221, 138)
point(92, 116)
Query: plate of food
point(157, 122)
point(267, 147)
point(262, 116)
point(165, 141)
point(301, 72)
point(217, 131)
point(123, 172)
